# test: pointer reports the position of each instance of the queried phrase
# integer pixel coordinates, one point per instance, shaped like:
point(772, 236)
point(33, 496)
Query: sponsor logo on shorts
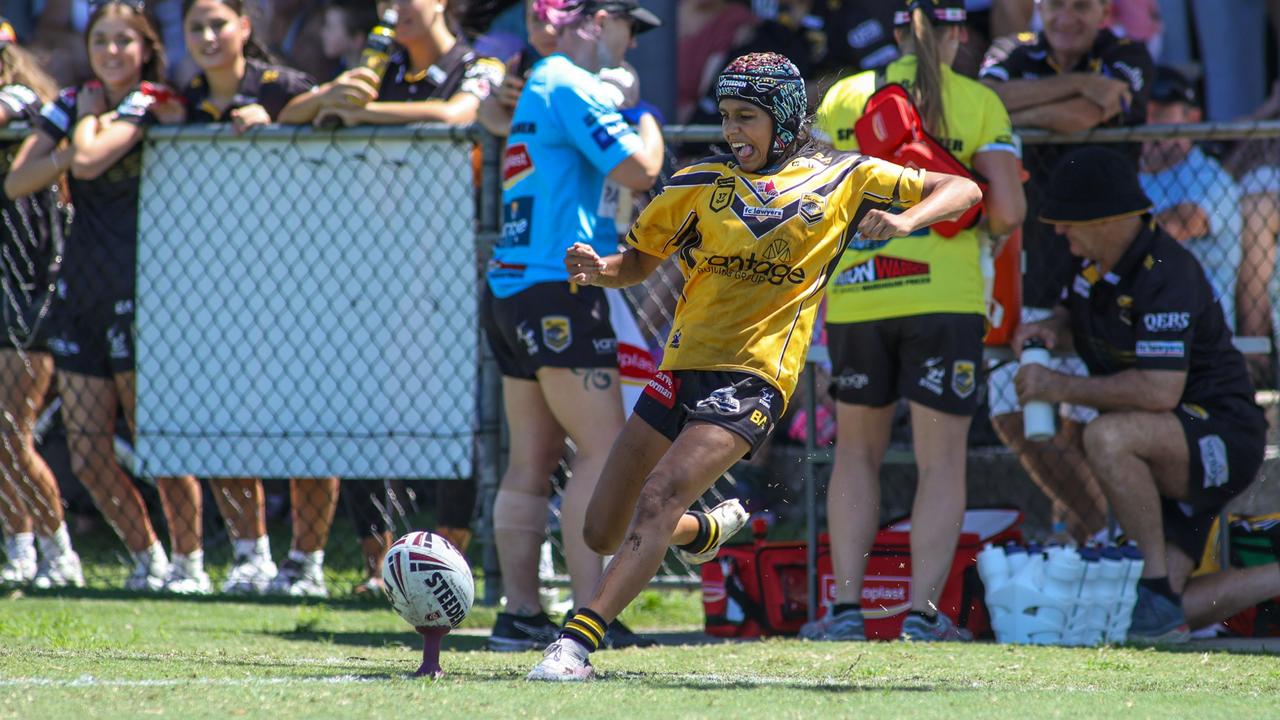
point(722, 196)
point(119, 344)
point(1161, 348)
point(662, 387)
point(766, 397)
point(851, 380)
point(759, 419)
point(1166, 321)
point(722, 401)
point(885, 271)
point(557, 333)
point(1213, 456)
point(934, 374)
point(528, 337)
point(1196, 411)
point(517, 165)
point(65, 348)
point(963, 378)
point(605, 346)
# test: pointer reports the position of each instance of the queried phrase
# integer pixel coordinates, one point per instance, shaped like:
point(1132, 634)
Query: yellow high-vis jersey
point(931, 273)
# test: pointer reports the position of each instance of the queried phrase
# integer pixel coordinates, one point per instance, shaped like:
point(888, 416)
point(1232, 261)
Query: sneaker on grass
point(941, 629)
point(60, 572)
point(1157, 620)
point(250, 574)
point(517, 633)
point(564, 660)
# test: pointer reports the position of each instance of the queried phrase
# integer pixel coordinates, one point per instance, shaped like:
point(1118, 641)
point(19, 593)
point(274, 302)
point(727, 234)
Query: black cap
point(941, 12)
point(1172, 86)
point(644, 19)
point(1090, 185)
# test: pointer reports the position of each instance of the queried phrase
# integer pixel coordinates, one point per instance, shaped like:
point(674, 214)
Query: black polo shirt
point(102, 244)
point(271, 86)
point(459, 70)
point(1026, 56)
point(1155, 310)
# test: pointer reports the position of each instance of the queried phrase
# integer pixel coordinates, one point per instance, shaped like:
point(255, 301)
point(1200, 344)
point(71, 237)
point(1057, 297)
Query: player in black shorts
point(103, 121)
point(1179, 430)
point(31, 245)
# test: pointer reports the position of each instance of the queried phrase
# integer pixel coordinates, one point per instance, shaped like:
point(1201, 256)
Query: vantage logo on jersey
point(516, 165)
point(884, 271)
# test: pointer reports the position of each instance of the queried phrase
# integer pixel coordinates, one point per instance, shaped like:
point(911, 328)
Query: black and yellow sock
point(586, 628)
point(708, 534)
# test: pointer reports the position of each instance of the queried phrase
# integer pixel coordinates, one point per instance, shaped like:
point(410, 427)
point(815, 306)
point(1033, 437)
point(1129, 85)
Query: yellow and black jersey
point(756, 252)
point(925, 273)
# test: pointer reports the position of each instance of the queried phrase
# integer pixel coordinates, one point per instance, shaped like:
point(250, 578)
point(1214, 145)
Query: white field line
point(89, 681)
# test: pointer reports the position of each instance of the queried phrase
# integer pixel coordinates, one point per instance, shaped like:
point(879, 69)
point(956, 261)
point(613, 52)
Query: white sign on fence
point(306, 308)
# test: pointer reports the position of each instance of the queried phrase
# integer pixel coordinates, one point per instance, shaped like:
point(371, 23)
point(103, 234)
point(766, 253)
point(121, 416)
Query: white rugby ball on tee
point(428, 581)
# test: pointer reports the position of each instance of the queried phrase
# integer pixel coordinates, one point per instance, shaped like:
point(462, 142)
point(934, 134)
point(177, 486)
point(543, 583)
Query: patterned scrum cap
point(771, 82)
point(941, 12)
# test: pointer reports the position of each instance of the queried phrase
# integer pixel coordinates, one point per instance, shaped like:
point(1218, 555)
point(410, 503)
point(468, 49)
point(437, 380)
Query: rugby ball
point(428, 581)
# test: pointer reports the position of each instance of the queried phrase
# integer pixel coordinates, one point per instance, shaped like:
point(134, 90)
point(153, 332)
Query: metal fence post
point(490, 456)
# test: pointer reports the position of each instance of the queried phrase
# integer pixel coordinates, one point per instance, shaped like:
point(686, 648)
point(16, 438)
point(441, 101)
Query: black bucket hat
point(1090, 185)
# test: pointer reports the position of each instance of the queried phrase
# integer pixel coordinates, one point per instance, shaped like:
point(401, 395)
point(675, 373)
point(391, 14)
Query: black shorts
point(739, 402)
point(94, 340)
point(934, 360)
point(27, 317)
point(550, 325)
point(1226, 444)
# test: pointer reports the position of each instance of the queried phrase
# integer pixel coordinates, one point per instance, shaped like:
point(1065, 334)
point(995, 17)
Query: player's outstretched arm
point(624, 269)
point(945, 197)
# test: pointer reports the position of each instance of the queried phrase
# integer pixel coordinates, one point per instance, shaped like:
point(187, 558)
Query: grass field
point(95, 656)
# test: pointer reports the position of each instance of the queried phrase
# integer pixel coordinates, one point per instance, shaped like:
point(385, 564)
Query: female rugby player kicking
point(757, 234)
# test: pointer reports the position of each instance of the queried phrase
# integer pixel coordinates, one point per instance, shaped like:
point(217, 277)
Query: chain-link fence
point(307, 346)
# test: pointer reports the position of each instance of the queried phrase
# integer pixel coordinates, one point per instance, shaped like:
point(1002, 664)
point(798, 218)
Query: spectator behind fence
point(1074, 75)
point(434, 76)
point(1195, 200)
point(93, 347)
point(742, 327)
point(708, 30)
point(239, 84)
point(553, 341)
point(31, 247)
point(1256, 165)
point(915, 333)
point(346, 27)
point(292, 30)
point(1179, 431)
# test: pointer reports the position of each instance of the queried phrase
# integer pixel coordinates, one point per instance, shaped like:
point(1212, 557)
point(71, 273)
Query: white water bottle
point(1037, 415)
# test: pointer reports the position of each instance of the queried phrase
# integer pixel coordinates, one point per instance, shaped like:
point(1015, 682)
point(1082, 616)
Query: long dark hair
point(136, 14)
point(253, 48)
